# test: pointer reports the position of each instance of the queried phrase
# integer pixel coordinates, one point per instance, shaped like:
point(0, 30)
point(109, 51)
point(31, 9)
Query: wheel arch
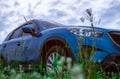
point(55, 40)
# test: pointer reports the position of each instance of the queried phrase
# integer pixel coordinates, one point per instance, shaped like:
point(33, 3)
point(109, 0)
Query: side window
point(8, 36)
point(26, 34)
point(19, 32)
point(16, 34)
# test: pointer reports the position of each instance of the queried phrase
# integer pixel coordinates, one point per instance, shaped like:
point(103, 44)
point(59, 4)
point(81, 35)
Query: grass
point(79, 70)
point(76, 72)
point(64, 70)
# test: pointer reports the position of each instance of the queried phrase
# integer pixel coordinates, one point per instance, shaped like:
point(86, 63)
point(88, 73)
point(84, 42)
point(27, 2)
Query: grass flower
point(69, 63)
point(77, 72)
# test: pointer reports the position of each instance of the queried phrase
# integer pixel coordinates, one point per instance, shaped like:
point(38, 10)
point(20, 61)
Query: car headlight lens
point(85, 32)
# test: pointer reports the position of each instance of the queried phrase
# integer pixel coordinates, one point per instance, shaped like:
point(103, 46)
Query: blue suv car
point(38, 40)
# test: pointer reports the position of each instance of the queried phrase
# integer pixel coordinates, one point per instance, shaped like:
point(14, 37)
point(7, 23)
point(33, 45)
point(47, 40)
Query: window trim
point(37, 29)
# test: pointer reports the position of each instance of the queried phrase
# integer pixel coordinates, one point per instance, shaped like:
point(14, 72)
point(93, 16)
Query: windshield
point(48, 25)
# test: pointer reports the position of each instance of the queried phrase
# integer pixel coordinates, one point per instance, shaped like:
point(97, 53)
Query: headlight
point(85, 32)
point(75, 31)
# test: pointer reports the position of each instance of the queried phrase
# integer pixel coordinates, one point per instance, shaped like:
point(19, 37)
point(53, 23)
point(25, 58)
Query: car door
point(27, 46)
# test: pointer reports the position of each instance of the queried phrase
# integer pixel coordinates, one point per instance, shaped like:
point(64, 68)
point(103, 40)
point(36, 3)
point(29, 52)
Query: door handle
point(18, 43)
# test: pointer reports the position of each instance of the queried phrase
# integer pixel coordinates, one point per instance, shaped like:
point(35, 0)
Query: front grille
point(115, 36)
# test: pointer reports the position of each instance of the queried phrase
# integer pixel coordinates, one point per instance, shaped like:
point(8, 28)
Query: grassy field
point(79, 70)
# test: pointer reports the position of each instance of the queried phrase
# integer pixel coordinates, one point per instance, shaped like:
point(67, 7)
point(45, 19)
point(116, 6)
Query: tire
point(112, 63)
point(53, 54)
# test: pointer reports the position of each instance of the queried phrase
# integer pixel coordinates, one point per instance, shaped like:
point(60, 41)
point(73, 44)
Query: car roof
point(53, 24)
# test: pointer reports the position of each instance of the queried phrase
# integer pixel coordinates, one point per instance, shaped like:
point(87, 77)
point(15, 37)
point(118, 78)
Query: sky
point(66, 12)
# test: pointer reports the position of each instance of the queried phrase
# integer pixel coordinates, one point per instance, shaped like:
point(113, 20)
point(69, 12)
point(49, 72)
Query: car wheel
point(112, 63)
point(52, 55)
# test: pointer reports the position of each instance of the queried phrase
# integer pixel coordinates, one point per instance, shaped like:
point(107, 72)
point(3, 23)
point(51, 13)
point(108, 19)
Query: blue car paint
point(31, 45)
point(104, 43)
point(61, 32)
point(99, 56)
point(71, 39)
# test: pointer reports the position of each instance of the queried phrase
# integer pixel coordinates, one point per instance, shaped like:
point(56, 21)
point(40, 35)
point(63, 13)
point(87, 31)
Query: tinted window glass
point(48, 24)
point(8, 36)
point(26, 34)
point(17, 33)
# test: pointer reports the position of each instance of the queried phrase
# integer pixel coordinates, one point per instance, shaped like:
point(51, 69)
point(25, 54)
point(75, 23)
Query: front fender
point(99, 56)
point(69, 38)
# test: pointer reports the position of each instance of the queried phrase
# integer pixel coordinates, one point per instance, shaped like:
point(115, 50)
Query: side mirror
point(29, 30)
